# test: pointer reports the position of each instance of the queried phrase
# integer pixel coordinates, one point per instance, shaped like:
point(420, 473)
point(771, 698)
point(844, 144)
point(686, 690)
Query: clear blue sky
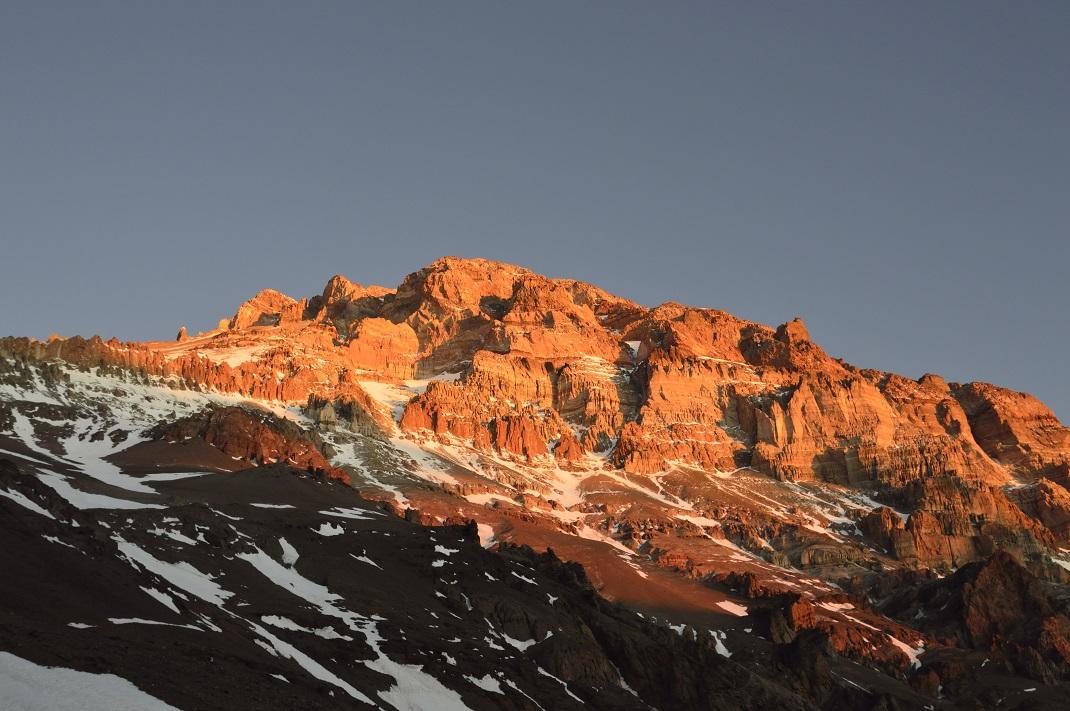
point(896, 173)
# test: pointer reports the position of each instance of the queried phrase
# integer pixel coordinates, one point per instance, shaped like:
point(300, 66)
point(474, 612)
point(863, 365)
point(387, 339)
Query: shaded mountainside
point(213, 600)
point(758, 522)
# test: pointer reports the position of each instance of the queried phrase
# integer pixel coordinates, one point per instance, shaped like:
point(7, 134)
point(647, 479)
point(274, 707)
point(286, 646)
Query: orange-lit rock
point(497, 358)
point(267, 308)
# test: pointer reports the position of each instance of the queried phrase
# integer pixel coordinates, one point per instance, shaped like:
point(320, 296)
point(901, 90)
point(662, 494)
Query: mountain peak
point(694, 462)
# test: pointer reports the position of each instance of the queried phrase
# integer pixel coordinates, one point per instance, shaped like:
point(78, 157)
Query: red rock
point(267, 308)
point(568, 449)
point(1016, 429)
point(257, 438)
point(558, 364)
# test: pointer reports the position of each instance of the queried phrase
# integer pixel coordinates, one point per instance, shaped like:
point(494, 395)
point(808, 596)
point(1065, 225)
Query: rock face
point(1016, 430)
point(698, 465)
point(253, 438)
point(1048, 502)
point(955, 521)
point(268, 308)
point(559, 373)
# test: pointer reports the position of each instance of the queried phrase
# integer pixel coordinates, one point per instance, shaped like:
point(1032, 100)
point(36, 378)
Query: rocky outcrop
point(288, 372)
point(955, 521)
point(1016, 430)
point(867, 427)
point(381, 346)
point(853, 635)
point(568, 449)
point(267, 308)
point(994, 605)
point(1048, 502)
point(252, 437)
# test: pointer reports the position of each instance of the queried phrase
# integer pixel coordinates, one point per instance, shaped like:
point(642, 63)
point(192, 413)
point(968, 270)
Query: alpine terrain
point(490, 489)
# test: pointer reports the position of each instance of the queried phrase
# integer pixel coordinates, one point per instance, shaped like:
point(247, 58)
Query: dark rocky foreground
point(212, 601)
point(271, 588)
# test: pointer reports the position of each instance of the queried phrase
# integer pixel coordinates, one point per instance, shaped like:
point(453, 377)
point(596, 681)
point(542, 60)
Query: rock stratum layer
point(701, 467)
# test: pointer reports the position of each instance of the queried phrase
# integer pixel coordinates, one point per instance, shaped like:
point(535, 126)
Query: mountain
point(487, 488)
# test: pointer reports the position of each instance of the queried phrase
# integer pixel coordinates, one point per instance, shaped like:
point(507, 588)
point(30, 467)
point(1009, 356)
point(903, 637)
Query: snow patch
point(487, 683)
point(182, 575)
point(355, 514)
point(161, 597)
point(26, 686)
point(329, 529)
point(486, 535)
point(24, 501)
point(289, 553)
point(83, 500)
point(733, 608)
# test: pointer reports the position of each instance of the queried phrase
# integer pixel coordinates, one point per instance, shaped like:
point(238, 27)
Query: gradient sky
point(896, 173)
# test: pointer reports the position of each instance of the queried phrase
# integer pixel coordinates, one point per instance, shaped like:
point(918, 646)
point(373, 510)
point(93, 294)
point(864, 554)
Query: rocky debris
point(682, 679)
point(847, 629)
point(12, 479)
